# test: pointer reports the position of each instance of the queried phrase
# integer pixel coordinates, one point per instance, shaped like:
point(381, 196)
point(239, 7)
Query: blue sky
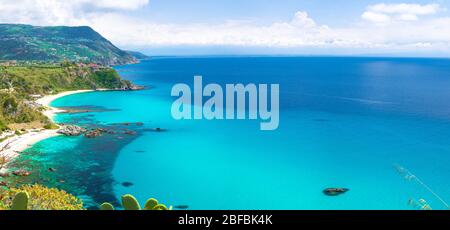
point(332, 12)
point(326, 27)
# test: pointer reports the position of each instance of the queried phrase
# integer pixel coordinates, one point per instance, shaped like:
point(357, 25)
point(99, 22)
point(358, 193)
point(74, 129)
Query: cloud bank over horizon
point(381, 28)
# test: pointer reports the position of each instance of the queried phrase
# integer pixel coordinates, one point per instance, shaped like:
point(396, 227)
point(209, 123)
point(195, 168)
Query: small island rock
point(335, 191)
point(72, 130)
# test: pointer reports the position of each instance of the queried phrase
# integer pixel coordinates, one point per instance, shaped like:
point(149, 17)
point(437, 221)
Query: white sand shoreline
point(46, 100)
point(11, 147)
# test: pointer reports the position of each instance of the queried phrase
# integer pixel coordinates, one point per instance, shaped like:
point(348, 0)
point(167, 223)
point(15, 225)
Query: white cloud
point(384, 13)
point(384, 28)
point(302, 19)
point(408, 17)
point(376, 17)
point(404, 8)
point(119, 4)
point(60, 12)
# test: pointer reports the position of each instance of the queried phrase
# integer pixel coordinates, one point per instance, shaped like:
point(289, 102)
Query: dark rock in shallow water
point(335, 191)
point(181, 207)
point(127, 184)
point(51, 169)
point(140, 151)
point(21, 173)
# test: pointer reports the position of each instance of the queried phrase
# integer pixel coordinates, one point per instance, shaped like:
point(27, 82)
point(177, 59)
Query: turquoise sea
point(344, 122)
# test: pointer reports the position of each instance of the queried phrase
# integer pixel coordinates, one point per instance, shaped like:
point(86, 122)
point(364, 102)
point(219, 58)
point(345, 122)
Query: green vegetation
point(38, 197)
point(130, 203)
point(56, 44)
point(20, 84)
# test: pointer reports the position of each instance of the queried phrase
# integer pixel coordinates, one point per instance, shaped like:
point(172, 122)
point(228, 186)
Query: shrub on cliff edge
point(42, 198)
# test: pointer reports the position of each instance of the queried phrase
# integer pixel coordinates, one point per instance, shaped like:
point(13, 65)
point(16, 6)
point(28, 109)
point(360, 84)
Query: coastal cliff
point(22, 84)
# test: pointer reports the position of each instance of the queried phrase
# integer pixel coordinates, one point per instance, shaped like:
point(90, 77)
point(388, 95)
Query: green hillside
point(56, 44)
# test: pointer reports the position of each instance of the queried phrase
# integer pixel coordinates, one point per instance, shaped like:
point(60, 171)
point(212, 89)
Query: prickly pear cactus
point(20, 201)
point(106, 207)
point(160, 207)
point(130, 203)
point(151, 204)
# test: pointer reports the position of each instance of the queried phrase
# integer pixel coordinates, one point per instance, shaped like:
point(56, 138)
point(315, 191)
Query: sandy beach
point(11, 147)
point(46, 100)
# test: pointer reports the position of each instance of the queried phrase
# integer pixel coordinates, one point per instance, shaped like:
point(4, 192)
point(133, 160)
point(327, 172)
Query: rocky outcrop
point(72, 130)
point(129, 86)
point(95, 133)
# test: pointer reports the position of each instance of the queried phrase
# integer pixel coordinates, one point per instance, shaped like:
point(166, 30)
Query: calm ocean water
point(344, 122)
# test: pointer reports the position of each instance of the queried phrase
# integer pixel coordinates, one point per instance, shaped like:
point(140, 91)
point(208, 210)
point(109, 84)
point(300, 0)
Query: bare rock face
point(21, 173)
point(72, 130)
point(4, 174)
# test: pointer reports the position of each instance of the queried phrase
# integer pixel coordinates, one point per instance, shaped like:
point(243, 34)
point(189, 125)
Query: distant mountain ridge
point(138, 55)
point(82, 44)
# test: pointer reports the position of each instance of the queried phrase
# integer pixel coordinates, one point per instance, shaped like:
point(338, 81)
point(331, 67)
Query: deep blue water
point(344, 122)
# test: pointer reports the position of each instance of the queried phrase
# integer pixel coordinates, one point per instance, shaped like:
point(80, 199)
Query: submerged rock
point(72, 130)
point(129, 123)
point(158, 130)
point(51, 169)
point(129, 132)
point(181, 207)
point(335, 191)
point(127, 184)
